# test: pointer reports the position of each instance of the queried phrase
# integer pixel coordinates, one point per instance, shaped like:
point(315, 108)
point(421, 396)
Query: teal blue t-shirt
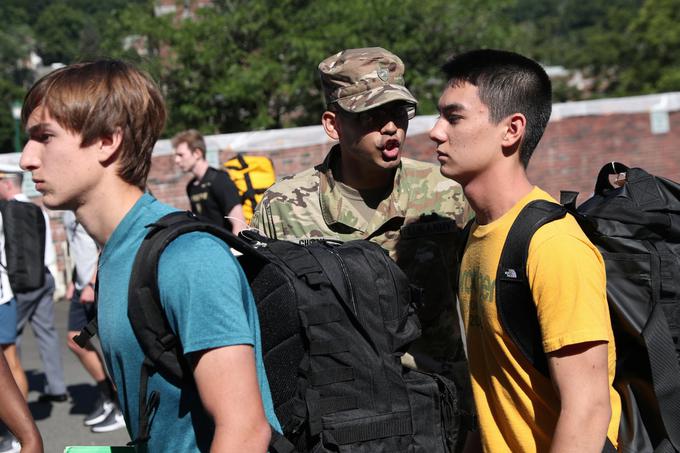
point(207, 301)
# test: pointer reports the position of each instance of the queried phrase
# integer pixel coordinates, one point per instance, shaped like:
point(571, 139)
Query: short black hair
point(507, 83)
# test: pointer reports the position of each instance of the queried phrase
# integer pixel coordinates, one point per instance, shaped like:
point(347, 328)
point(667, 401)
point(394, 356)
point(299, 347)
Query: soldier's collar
point(335, 211)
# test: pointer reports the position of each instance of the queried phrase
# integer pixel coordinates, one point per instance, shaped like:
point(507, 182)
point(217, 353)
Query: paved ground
point(61, 424)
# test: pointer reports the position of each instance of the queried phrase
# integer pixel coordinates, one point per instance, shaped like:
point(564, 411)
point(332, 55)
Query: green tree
point(243, 65)
point(58, 31)
point(587, 36)
point(653, 63)
point(62, 31)
point(15, 44)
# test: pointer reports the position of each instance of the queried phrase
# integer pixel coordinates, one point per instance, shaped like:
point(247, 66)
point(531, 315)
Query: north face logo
point(510, 273)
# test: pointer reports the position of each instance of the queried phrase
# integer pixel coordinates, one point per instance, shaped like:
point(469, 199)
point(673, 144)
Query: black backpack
point(636, 228)
point(24, 229)
point(334, 319)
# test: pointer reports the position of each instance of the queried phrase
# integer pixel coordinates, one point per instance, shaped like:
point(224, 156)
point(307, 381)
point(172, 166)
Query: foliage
point(243, 65)
point(653, 64)
point(251, 64)
point(59, 31)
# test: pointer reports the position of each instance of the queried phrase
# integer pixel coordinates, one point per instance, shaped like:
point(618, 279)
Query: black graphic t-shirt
point(213, 197)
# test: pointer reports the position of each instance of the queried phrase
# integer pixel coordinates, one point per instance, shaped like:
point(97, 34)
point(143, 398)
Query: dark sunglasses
point(382, 115)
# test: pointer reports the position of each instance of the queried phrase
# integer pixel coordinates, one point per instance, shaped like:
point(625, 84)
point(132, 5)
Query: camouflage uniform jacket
point(418, 224)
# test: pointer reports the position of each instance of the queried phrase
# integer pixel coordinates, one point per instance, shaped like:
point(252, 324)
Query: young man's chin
point(450, 173)
point(50, 202)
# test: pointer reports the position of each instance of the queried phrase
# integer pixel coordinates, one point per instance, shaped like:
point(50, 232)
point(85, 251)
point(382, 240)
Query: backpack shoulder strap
point(91, 329)
point(145, 311)
point(514, 301)
point(162, 348)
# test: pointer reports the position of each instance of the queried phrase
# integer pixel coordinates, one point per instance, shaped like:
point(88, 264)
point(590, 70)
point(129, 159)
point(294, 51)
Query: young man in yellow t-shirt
point(493, 112)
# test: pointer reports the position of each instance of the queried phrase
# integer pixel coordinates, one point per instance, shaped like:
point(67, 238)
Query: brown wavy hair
point(94, 99)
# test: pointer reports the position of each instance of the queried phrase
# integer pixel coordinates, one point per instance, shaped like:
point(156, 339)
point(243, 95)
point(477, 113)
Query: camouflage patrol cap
point(361, 79)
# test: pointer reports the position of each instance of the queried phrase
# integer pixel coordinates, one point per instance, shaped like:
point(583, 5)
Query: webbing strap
point(85, 335)
point(332, 375)
point(336, 404)
point(665, 372)
point(400, 426)
point(92, 327)
point(146, 408)
point(323, 315)
point(249, 194)
point(279, 444)
point(313, 402)
point(301, 262)
point(334, 346)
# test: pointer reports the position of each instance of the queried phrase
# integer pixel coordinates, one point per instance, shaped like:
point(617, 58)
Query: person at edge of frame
point(492, 114)
point(15, 414)
point(91, 130)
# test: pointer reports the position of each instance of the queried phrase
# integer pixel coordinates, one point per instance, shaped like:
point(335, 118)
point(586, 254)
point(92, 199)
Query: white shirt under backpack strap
point(6, 293)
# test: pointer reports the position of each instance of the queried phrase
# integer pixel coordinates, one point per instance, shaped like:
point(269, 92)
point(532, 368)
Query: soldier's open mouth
point(391, 150)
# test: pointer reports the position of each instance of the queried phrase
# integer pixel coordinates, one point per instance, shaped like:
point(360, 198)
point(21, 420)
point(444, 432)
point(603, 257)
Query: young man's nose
point(29, 157)
point(435, 133)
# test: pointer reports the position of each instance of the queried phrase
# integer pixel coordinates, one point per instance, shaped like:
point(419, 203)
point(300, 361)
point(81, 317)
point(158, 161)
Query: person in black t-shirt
point(212, 193)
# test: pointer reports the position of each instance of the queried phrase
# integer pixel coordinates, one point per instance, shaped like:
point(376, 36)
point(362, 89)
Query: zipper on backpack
point(348, 282)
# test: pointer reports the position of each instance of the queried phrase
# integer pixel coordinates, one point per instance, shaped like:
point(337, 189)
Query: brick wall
point(573, 150)
point(569, 157)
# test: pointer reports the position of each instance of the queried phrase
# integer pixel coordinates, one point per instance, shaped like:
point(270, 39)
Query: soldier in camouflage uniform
point(364, 189)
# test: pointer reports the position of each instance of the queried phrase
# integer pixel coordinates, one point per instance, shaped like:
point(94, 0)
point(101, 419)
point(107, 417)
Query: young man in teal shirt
point(92, 128)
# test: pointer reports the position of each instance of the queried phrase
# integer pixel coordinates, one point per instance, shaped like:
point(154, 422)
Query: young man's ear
point(197, 153)
point(109, 146)
point(514, 131)
point(330, 123)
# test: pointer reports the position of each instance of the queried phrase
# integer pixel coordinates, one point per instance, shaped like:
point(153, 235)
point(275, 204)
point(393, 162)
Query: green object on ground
point(98, 449)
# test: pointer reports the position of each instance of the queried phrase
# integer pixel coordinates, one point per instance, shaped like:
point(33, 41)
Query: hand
point(70, 288)
point(87, 295)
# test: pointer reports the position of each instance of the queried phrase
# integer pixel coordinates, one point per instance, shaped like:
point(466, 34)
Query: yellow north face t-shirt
point(517, 406)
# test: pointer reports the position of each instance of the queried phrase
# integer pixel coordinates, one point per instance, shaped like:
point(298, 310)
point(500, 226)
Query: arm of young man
point(580, 377)
point(236, 407)
point(211, 309)
point(15, 414)
point(569, 288)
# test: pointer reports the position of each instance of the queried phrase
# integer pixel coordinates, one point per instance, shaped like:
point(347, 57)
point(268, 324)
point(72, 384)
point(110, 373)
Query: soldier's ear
point(330, 123)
